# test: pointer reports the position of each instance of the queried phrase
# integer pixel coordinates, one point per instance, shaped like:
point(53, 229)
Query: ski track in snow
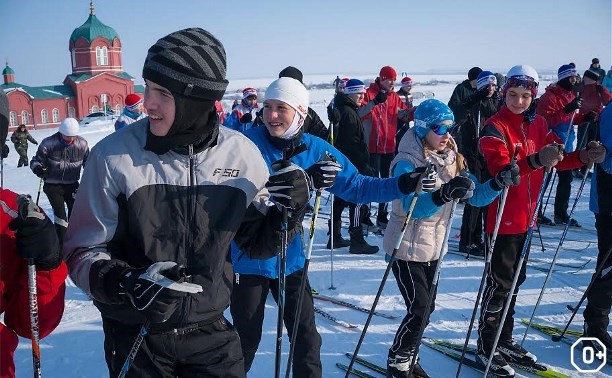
point(75, 348)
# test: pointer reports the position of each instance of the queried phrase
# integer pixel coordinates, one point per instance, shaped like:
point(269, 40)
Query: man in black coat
point(351, 141)
point(471, 115)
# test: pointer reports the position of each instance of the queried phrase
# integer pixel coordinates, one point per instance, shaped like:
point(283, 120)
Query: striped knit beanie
point(484, 79)
point(566, 70)
point(190, 62)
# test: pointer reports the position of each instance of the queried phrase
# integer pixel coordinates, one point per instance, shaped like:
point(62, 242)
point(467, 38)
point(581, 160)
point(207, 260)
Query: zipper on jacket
point(237, 275)
point(190, 219)
point(64, 163)
point(529, 179)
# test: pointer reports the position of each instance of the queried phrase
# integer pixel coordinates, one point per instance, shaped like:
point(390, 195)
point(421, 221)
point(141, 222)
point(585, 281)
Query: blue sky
point(321, 36)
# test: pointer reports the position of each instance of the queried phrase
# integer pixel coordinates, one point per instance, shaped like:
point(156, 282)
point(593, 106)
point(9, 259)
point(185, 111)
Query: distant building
point(95, 54)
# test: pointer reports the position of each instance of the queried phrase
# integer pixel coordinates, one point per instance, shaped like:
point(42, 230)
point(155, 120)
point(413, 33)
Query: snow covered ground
point(75, 349)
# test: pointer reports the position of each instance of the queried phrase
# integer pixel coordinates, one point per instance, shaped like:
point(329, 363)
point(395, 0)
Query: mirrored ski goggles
point(443, 129)
point(522, 81)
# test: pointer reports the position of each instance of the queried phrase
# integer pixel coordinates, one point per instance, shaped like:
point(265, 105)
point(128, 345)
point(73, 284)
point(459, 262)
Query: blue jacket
point(349, 185)
point(601, 182)
point(425, 207)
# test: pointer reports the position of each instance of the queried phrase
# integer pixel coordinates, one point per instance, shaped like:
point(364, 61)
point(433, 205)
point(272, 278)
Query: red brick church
point(95, 54)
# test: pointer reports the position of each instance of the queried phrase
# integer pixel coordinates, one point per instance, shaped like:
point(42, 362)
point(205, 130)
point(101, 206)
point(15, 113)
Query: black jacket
point(63, 161)
point(350, 139)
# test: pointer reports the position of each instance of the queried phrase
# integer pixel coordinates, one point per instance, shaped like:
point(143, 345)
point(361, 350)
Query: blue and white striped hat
point(566, 70)
point(354, 86)
point(485, 78)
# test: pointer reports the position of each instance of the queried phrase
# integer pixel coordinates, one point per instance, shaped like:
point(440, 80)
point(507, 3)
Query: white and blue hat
point(484, 79)
point(429, 114)
point(354, 86)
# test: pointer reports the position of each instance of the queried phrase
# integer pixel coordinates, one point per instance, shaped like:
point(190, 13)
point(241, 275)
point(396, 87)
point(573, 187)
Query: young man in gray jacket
point(159, 204)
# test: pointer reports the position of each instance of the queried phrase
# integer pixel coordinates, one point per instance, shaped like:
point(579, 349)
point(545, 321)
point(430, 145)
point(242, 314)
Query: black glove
point(5, 151)
point(333, 115)
point(40, 171)
point(380, 98)
point(459, 187)
point(591, 116)
point(156, 291)
point(246, 118)
point(408, 182)
point(323, 173)
point(574, 105)
point(289, 186)
point(35, 235)
point(477, 97)
point(510, 175)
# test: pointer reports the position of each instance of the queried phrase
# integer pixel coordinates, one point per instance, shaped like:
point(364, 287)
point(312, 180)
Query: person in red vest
point(25, 236)
point(380, 113)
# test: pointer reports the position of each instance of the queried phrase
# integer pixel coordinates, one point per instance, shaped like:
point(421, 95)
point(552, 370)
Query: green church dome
point(8, 70)
point(92, 29)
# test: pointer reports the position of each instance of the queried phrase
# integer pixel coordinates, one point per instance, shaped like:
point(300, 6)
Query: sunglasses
point(522, 81)
point(442, 129)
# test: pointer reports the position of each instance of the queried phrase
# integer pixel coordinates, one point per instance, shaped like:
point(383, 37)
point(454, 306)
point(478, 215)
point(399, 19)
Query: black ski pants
point(414, 280)
point(381, 164)
point(600, 296)
point(564, 190)
point(471, 222)
point(58, 195)
point(248, 303)
point(504, 264)
point(208, 350)
point(354, 211)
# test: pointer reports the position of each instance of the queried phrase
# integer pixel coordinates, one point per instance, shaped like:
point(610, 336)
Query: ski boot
point(601, 334)
point(543, 220)
point(513, 352)
point(563, 218)
point(398, 367)
point(358, 245)
point(339, 241)
point(499, 366)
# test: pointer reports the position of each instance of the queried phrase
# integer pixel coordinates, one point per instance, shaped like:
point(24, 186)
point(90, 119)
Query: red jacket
point(551, 104)
point(595, 96)
point(14, 303)
point(382, 121)
point(503, 132)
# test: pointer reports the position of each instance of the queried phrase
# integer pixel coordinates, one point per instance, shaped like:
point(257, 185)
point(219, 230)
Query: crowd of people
point(176, 219)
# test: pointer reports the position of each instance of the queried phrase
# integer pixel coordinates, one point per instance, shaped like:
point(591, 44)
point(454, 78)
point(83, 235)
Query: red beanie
point(246, 92)
point(406, 82)
point(387, 72)
point(132, 101)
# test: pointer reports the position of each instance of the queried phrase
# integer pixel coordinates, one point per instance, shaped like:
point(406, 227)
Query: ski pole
point(40, 182)
point(554, 260)
point(575, 309)
point(487, 267)
point(298, 306)
point(33, 301)
point(554, 178)
point(516, 277)
point(331, 244)
point(24, 207)
point(282, 259)
point(433, 288)
point(386, 274)
point(135, 347)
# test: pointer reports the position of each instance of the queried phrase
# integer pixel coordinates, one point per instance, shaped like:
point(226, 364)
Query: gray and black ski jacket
point(135, 207)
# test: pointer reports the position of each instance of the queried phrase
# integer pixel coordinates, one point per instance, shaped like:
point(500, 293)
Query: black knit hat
point(291, 72)
point(190, 62)
point(473, 73)
point(595, 61)
point(591, 75)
